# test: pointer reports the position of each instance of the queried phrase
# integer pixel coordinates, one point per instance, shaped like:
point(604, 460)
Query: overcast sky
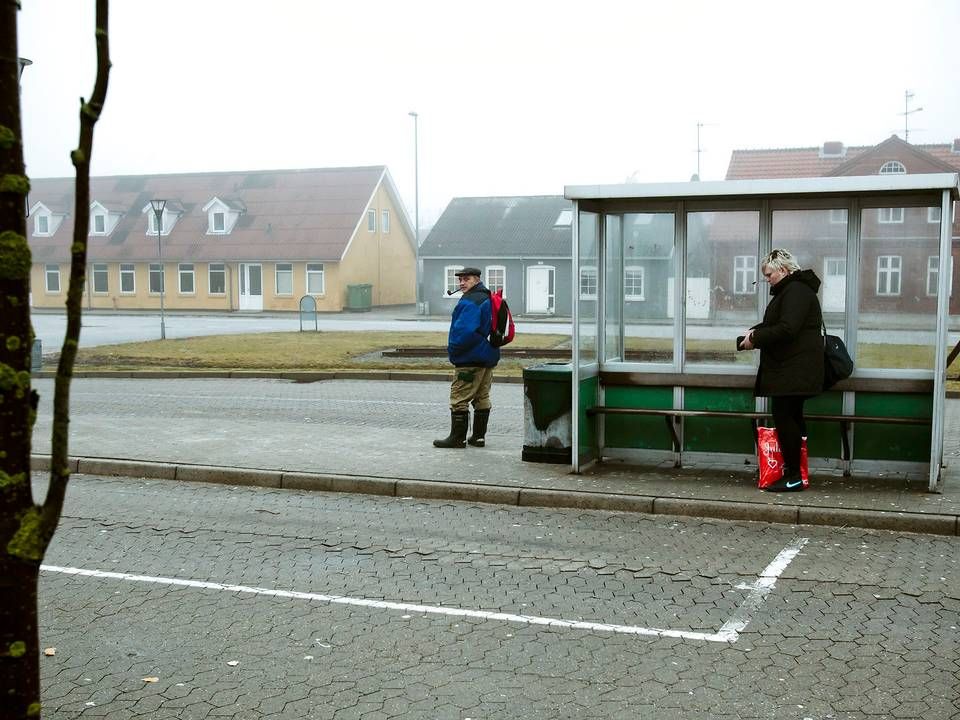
point(514, 96)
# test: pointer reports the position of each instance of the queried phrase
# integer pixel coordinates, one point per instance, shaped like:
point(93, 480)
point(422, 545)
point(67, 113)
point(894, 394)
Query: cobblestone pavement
point(857, 625)
point(375, 428)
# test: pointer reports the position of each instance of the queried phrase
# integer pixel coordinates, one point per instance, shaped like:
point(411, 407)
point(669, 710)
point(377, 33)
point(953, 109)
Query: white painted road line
point(759, 590)
point(728, 633)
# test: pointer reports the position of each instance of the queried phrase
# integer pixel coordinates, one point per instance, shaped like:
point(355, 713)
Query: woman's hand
point(747, 343)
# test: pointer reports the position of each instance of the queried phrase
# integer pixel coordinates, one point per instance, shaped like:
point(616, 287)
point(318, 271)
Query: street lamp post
point(416, 207)
point(158, 206)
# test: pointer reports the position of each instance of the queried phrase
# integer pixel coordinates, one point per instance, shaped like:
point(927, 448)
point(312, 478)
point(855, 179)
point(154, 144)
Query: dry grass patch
point(314, 351)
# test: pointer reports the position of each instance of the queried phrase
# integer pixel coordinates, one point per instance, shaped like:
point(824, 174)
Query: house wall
point(200, 299)
point(515, 284)
point(384, 260)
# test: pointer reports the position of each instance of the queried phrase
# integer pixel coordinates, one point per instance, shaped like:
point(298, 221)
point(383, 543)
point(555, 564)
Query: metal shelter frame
point(599, 210)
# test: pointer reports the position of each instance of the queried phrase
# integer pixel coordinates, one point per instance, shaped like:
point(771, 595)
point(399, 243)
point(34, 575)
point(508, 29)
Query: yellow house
point(248, 241)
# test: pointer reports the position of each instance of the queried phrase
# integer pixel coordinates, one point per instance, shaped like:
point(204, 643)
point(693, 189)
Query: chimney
point(833, 149)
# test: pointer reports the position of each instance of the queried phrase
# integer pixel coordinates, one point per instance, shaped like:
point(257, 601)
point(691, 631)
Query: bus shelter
point(668, 276)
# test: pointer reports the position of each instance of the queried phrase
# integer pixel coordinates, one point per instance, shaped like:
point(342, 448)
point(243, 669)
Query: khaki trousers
point(471, 384)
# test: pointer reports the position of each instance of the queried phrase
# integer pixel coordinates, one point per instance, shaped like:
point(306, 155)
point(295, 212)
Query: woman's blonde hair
point(780, 259)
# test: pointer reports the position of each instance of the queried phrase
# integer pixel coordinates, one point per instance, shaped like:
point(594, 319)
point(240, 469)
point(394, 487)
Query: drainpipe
point(229, 268)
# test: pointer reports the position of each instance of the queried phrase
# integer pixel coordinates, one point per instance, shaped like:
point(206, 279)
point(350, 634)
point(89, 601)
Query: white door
point(540, 289)
point(834, 284)
point(251, 287)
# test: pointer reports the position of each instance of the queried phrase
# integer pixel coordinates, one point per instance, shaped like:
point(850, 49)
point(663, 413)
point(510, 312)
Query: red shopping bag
point(770, 459)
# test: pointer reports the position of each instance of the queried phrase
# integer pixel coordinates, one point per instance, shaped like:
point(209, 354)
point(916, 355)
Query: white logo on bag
point(769, 448)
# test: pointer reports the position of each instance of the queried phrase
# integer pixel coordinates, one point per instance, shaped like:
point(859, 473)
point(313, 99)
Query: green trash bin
point(359, 298)
point(547, 418)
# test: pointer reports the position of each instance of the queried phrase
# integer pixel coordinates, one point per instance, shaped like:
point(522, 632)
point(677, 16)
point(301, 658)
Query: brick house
point(898, 263)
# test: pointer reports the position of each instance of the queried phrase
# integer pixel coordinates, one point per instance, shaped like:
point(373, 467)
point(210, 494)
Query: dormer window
point(222, 215)
point(564, 219)
point(893, 167)
point(102, 220)
point(172, 210)
point(45, 221)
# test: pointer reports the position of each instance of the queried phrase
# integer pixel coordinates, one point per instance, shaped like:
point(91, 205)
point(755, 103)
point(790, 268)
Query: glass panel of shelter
point(898, 276)
point(721, 284)
point(642, 286)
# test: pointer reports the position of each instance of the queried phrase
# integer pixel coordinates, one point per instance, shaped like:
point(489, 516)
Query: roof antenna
point(907, 112)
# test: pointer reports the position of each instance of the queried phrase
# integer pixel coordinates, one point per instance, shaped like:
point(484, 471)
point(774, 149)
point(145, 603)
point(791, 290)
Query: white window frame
point(892, 167)
point(101, 271)
point(218, 269)
point(156, 271)
point(152, 227)
point(450, 281)
point(933, 275)
point(313, 271)
point(185, 271)
point(933, 215)
point(371, 221)
point(588, 277)
point(52, 272)
point(889, 271)
point(491, 285)
point(45, 218)
point(385, 221)
point(94, 230)
point(744, 274)
point(222, 216)
point(890, 216)
point(643, 283)
point(128, 271)
point(279, 270)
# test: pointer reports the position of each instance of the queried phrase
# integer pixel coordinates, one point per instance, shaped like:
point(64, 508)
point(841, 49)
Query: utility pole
point(907, 112)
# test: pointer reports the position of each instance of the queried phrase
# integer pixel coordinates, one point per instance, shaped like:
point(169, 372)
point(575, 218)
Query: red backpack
point(502, 329)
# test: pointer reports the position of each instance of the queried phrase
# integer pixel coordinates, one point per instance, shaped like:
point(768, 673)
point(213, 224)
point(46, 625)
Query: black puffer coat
point(789, 338)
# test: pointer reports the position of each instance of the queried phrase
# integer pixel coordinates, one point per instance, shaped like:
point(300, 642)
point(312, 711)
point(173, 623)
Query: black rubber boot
point(459, 419)
point(478, 436)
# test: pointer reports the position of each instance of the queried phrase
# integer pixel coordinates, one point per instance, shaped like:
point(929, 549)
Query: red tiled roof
point(290, 215)
point(808, 161)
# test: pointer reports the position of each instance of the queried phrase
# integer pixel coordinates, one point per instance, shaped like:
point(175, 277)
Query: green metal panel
point(589, 389)
point(732, 435)
point(649, 433)
point(823, 438)
point(876, 441)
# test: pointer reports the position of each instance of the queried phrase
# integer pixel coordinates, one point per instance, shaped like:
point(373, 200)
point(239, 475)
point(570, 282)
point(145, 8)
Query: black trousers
point(788, 419)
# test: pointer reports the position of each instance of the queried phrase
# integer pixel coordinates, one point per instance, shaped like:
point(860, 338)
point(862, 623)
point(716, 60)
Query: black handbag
point(837, 363)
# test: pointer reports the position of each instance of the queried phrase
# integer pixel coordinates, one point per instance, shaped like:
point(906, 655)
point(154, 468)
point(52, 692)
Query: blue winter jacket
point(467, 343)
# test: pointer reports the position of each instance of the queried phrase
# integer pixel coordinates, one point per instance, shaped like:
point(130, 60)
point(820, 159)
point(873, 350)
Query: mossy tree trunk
point(27, 527)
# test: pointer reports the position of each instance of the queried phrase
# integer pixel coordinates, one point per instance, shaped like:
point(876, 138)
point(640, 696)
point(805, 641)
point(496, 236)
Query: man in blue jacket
point(474, 359)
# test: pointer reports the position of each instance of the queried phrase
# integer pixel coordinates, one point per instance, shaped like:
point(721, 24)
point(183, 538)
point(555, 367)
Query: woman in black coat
point(791, 355)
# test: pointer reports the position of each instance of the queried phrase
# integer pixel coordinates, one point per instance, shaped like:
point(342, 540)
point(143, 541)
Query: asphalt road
point(176, 600)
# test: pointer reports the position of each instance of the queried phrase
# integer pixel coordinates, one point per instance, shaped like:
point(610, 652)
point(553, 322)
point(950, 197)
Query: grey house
point(522, 245)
